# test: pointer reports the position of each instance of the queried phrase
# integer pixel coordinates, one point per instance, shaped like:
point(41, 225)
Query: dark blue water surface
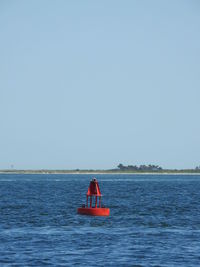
point(154, 221)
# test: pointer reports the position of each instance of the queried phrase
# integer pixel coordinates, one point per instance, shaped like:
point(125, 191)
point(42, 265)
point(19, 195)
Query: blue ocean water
point(154, 221)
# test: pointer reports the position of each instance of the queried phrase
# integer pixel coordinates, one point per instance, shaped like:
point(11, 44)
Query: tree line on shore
point(149, 167)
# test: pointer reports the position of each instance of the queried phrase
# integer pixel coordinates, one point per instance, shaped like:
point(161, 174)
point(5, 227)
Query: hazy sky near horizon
point(91, 84)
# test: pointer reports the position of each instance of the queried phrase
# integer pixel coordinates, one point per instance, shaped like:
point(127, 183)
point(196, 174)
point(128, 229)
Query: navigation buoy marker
point(94, 207)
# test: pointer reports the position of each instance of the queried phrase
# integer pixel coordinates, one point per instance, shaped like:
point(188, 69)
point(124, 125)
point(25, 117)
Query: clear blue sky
point(90, 84)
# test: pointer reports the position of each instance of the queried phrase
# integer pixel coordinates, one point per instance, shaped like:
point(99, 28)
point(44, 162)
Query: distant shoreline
point(168, 172)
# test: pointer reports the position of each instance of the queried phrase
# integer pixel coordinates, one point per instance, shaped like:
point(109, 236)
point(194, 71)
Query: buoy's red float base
point(94, 211)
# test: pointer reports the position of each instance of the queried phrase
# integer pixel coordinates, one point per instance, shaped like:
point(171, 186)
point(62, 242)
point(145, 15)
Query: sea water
point(154, 221)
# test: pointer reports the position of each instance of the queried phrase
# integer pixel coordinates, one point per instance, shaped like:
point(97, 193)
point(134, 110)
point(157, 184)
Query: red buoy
point(94, 196)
